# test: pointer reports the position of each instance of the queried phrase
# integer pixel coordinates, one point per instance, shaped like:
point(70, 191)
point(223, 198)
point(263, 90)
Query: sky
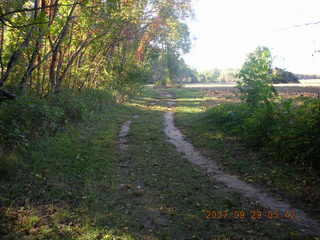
point(225, 31)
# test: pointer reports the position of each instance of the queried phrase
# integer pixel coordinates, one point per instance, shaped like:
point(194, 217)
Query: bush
point(297, 137)
point(29, 117)
point(230, 116)
point(255, 84)
point(288, 130)
point(26, 118)
point(126, 82)
point(258, 127)
point(72, 106)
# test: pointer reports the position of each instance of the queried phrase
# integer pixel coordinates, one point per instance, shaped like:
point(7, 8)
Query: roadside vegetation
point(267, 137)
point(288, 129)
point(50, 188)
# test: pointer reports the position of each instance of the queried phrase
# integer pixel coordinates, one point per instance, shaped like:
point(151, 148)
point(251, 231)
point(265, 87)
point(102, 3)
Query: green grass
point(175, 194)
point(290, 181)
point(62, 183)
point(77, 185)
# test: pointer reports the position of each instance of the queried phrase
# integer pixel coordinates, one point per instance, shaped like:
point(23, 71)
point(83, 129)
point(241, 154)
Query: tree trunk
point(30, 68)
point(55, 51)
point(14, 58)
point(1, 48)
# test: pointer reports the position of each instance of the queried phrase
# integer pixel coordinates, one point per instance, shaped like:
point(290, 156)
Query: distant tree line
point(186, 74)
point(282, 76)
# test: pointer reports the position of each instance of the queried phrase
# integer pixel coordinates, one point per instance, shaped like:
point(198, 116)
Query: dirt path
point(159, 195)
point(210, 167)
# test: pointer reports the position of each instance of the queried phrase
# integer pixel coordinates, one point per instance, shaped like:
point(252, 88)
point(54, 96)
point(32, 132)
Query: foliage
point(53, 53)
point(296, 132)
point(27, 118)
point(228, 75)
point(288, 129)
point(209, 76)
point(127, 82)
point(256, 78)
point(45, 48)
point(187, 74)
point(229, 117)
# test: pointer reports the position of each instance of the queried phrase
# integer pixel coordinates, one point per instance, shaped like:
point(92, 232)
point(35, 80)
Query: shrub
point(286, 129)
point(230, 116)
point(26, 118)
point(72, 106)
point(29, 117)
point(298, 133)
point(255, 76)
point(126, 82)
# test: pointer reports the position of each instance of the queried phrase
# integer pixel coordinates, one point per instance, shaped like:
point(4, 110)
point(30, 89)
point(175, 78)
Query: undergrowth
point(288, 129)
point(54, 184)
point(28, 118)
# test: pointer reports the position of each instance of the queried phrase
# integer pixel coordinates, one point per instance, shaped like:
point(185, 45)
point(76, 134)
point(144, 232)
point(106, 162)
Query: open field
point(292, 89)
point(310, 81)
point(303, 84)
point(286, 90)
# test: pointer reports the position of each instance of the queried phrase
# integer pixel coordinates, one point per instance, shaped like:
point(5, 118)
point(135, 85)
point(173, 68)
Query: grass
point(175, 194)
point(77, 185)
point(59, 189)
point(299, 186)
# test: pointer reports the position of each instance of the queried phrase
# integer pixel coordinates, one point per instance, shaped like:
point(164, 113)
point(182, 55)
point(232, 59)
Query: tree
point(49, 45)
point(255, 76)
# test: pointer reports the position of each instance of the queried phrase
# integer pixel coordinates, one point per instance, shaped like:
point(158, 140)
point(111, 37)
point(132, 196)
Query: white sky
point(227, 30)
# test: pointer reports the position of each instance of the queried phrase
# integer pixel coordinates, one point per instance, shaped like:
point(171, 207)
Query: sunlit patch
point(53, 222)
point(189, 110)
point(143, 106)
point(216, 136)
